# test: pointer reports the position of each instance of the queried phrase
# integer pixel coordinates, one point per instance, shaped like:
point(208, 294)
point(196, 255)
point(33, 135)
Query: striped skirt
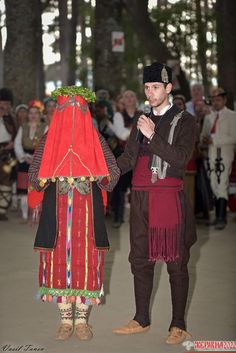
point(73, 271)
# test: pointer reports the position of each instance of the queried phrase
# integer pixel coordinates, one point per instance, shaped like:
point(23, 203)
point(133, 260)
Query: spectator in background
point(201, 110)
point(25, 143)
point(203, 192)
point(219, 134)
point(21, 117)
point(50, 105)
point(122, 125)
point(180, 101)
point(197, 93)
point(102, 119)
point(104, 125)
point(190, 173)
point(103, 95)
point(38, 104)
point(7, 161)
point(21, 113)
point(119, 104)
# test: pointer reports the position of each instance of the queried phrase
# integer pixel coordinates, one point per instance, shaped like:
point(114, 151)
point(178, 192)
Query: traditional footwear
point(177, 336)
point(64, 332)
point(83, 332)
point(220, 225)
point(132, 327)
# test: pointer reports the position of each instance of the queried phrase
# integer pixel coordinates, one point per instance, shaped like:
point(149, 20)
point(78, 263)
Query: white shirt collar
point(163, 110)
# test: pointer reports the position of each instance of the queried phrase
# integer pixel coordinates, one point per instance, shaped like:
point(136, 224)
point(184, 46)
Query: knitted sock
point(81, 313)
point(24, 206)
point(66, 313)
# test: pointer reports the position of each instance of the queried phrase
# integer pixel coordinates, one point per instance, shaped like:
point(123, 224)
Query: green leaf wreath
point(70, 91)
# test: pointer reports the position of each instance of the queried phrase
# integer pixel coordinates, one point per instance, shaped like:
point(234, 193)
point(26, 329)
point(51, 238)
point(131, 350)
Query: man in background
point(219, 134)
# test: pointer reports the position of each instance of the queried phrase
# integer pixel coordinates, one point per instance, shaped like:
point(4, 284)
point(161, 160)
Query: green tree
point(188, 28)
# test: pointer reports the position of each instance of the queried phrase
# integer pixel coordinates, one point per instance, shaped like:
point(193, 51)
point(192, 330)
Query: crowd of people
point(210, 176)
point(20, 131)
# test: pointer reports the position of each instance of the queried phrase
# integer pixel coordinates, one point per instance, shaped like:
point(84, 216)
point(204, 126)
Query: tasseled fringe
point(164, 244)
point(68, 299)
point(34, 214)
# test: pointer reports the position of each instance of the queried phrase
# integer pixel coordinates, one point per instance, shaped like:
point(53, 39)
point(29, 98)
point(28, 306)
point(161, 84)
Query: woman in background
point(26, 140)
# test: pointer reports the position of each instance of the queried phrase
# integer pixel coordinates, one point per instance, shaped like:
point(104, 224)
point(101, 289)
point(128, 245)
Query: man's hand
point(146, 126)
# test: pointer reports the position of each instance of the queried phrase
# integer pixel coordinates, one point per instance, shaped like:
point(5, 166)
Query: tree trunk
point(146, 31)
point(64, 41)
point(83, 64)
point(149, 37)
point(40, 78)
point(20, 54)
point(226, 43)
point(72, 43)
point(202, 46)
point(1, 60)
point(107, 64)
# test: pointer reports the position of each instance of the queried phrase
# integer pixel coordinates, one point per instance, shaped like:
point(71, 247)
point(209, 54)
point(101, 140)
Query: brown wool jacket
point(177, 155)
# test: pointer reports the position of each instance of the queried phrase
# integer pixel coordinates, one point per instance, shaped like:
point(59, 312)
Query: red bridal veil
point(72, 148)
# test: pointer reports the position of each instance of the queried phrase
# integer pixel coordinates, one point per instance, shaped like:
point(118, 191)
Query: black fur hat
point(6, 95)
point(157, 72)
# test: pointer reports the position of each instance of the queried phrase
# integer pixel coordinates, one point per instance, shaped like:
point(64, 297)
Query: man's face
point(196, 92)
point(218, 102)
point(157, 93)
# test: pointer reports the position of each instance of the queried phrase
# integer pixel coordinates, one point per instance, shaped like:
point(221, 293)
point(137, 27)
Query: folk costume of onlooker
point(161, 220)
point(219, 133)
point(71, 165)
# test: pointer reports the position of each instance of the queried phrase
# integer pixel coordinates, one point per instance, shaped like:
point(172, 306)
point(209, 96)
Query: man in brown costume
point(7, 161)
point(161, 220)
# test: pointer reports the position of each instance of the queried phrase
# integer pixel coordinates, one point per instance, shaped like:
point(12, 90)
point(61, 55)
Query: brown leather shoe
point(64, 332)
point(83, 332)
point(177, 336)
point(132, 327)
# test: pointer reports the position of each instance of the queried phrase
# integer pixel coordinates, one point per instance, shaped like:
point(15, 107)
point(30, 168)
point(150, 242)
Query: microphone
point(147, 112)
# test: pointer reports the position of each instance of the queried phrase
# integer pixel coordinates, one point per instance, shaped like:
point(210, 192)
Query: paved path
point(26, 321)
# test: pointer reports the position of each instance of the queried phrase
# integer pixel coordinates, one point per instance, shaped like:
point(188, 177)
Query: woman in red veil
point(71, 166)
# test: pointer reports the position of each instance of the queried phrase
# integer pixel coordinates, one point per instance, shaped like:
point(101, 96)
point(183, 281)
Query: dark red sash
point(165, 214)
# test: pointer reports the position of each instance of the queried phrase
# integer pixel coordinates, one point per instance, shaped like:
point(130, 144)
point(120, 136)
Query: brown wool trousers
point(143, 269)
